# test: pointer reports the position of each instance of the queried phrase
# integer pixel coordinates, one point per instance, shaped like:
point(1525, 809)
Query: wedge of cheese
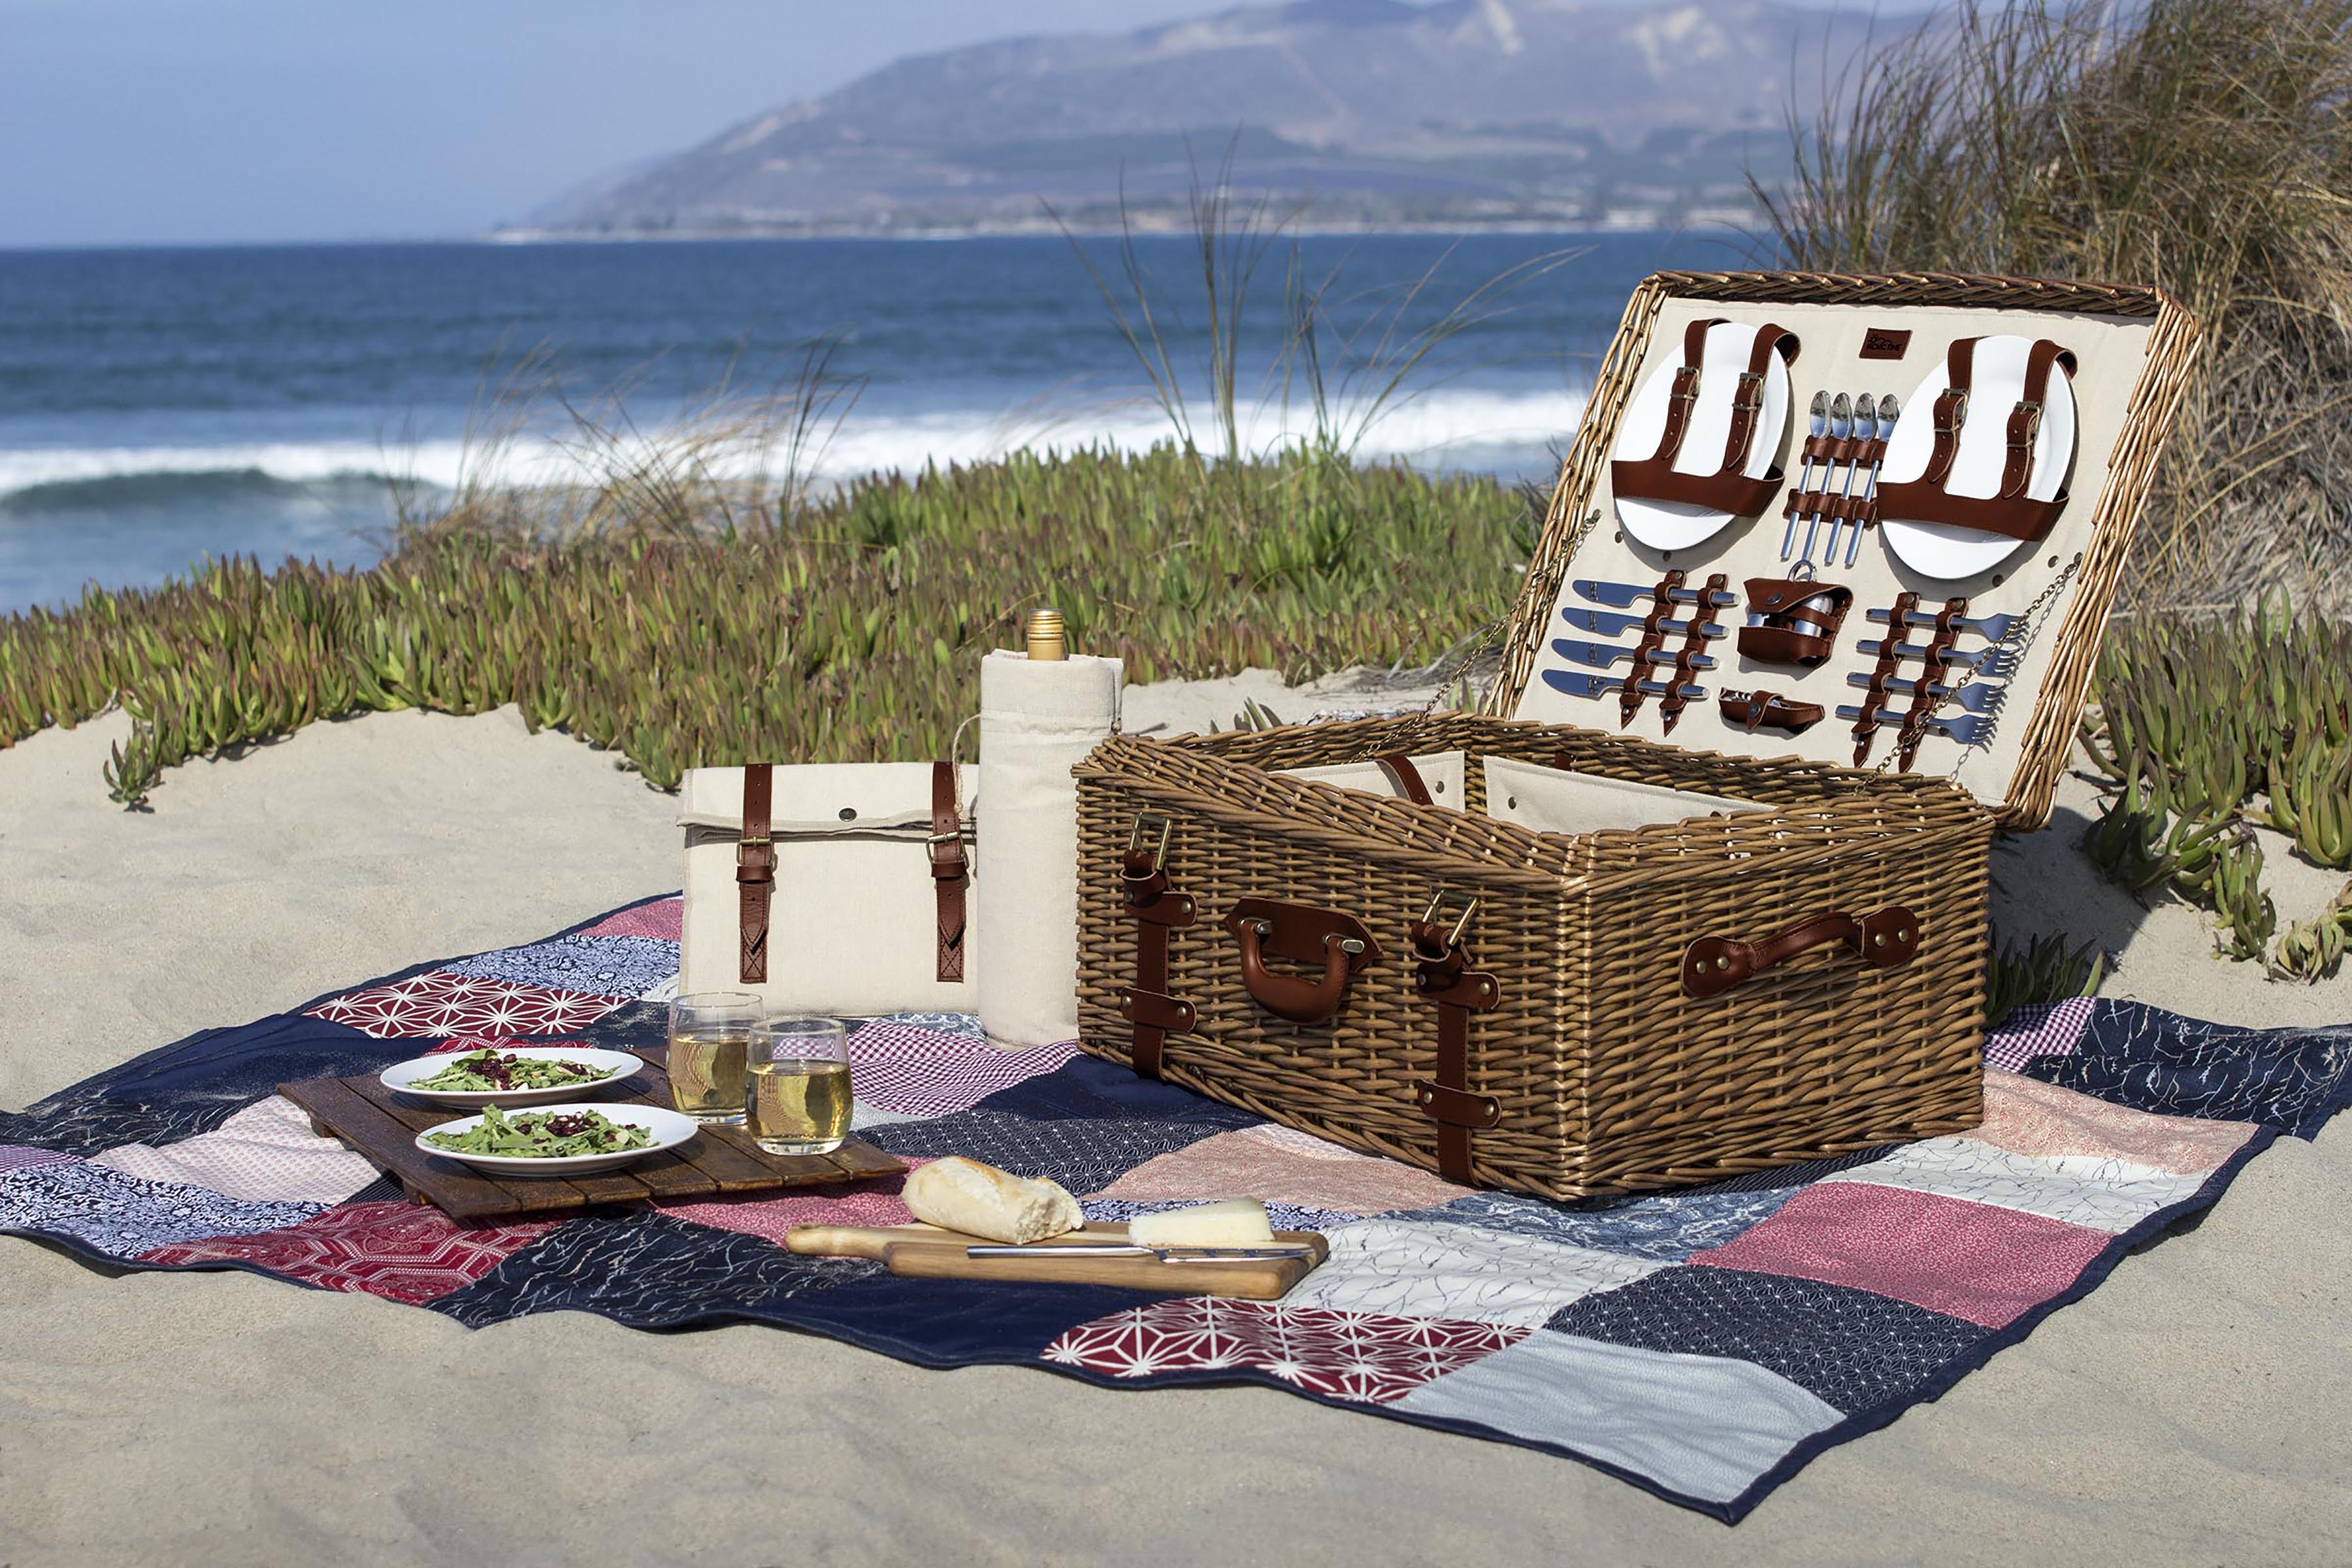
point(1239, 1222)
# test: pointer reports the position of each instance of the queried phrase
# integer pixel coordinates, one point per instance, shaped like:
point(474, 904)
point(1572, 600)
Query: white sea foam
point(1508, 431)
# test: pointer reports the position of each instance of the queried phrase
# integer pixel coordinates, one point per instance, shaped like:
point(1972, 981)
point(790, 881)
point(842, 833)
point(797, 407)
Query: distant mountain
point(1457, 113)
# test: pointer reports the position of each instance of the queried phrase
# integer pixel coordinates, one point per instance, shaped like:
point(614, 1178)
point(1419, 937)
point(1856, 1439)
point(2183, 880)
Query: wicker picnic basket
point(1598, 962)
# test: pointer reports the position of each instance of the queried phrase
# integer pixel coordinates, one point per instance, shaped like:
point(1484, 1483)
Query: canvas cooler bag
point(1702, 889)
point(842, 889)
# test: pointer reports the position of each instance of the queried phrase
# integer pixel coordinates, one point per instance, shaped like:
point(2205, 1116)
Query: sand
point(2190, 1410)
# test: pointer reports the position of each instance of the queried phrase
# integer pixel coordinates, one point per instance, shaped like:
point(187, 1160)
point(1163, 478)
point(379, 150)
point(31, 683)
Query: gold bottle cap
point(1047, 637)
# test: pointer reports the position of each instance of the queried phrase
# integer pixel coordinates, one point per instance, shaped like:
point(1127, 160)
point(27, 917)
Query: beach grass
point(2198, 144)
point(843, 626)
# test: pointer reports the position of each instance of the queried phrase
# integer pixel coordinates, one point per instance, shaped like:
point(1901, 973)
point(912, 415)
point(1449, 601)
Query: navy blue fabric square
point(1781, 1178)
point(600, 965)
point(1089, 1087)
point(196, 1084)
point(1084, 1154)
point(2134, 1054)
point(649, 1271)
point(952, 1322)
point(1852, 1349)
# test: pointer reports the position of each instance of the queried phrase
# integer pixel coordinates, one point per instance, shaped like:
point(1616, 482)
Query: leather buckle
point(1686, 384)
point(948, 867)
point(1437, 901)
point(755, 867)
point(1135, 834)
point(1959, 402)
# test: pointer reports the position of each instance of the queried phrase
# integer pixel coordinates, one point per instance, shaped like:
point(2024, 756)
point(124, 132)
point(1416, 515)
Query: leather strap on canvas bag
point(950, 871)
point(755, 870)
point(1156, 909)
point(1443, 978)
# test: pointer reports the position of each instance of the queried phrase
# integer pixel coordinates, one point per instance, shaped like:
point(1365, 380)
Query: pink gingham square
point(921, 1072)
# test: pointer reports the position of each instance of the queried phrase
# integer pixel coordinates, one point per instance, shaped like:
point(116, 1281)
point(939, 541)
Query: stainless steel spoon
point(1841, 428)
point(1890, 409)
point(1820, 425)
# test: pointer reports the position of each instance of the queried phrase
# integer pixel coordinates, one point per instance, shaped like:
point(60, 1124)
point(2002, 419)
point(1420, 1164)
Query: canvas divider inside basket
point(1552, 800)
point(1442, 772)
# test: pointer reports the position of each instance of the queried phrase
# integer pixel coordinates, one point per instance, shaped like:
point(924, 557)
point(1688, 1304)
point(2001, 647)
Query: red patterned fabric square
point(1368, 1357)
point(663, 919)
point(1981, 1262)
point(406, 1252)
point(436, 1003)
point(867, 1203)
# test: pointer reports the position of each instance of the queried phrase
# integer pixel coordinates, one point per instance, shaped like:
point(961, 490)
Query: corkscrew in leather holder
point(1754, 710)
point(1793, 621)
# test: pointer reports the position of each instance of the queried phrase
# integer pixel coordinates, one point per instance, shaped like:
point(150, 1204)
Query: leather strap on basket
point(1156, 910)
point(1685, 665)
point(1931, 672)
point(1443, 977)
point(1882, 939)
point(1630, 697)
point(1727, 489)
point(1865, 728)
point(1405, 778)
point(950, 871)
point(755, 870)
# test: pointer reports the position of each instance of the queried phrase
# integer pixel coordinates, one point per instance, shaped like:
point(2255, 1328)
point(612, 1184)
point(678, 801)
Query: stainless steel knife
point(1967, 729)
point(1577, 685)
point(1600, 656)
point(1609, 624)
point(1165, 1254)
point(1624, 594)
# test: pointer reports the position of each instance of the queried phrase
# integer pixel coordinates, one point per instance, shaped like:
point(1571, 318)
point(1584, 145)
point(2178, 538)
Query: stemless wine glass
point(799, 1078)
point(709, 1033)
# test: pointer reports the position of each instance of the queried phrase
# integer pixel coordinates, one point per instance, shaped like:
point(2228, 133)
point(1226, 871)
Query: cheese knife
point(1602, 623)
point(1577, 685)
point(1164, 1254)
point(1600, 656)
point(1624, 596)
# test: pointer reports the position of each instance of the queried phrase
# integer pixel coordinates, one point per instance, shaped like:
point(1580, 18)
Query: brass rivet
point(1878, 939)
point(1902, 936)
point(1723, 963)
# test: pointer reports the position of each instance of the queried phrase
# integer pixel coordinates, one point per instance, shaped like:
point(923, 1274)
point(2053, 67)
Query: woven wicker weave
point(1608, 1077)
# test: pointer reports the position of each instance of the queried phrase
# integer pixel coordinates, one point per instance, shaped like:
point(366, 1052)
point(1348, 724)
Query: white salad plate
point(1678, 525)
point(1940, 550)
point(669, 1130)
point(618, 1065)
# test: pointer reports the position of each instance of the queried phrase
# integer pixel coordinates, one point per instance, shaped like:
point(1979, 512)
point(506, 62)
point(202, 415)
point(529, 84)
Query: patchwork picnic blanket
point(1704, 1344)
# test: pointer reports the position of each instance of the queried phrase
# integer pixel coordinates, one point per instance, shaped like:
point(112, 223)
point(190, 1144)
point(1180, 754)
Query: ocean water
point(157, 406)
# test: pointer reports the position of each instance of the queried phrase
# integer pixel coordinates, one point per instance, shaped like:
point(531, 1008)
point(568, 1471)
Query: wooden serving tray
point(927, 1252)
point(381, 1127)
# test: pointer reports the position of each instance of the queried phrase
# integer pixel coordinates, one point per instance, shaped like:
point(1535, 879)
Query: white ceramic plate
point(618, 1067)
point(669, 1130)
point(1678, 525)
point(1939, 550)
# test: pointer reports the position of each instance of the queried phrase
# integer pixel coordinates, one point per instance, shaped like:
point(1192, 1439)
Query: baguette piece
point(1237, 1222)
point(957, 1194)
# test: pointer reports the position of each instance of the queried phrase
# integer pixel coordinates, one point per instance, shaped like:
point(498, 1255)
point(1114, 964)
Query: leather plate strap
point(1951, 410)
point(1156, 910)
point(1443, 978)
point(951, 872)
point(1685, 395)
point(1747, 398)
point(755, 870)
point(2025, 419)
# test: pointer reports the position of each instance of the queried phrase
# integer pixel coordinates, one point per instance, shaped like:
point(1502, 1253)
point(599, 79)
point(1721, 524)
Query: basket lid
point(1696, 445)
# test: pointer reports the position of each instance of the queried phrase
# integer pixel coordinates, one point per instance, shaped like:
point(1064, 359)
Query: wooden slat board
point(382, 1126)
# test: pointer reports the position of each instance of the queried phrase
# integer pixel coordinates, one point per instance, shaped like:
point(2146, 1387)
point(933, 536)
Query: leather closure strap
point(950, 871)
point(1405, 777)
point(1156, 910)
point(755, 870)
point(1754, 710)
point(2025, 419)
point(1443, 978)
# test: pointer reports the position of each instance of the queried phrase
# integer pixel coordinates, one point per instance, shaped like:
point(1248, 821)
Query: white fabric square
point(2094, 1191)
point(265, 1152)
point(1701, 1426)
point(1418, 1269)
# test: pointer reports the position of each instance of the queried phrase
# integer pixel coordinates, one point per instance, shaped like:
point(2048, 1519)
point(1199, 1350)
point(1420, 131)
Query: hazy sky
point(128, 122)
point(137, 121)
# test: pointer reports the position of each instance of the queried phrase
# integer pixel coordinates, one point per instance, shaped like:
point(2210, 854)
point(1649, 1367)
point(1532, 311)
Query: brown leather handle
point(1300, 933)
point(1885, 939)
